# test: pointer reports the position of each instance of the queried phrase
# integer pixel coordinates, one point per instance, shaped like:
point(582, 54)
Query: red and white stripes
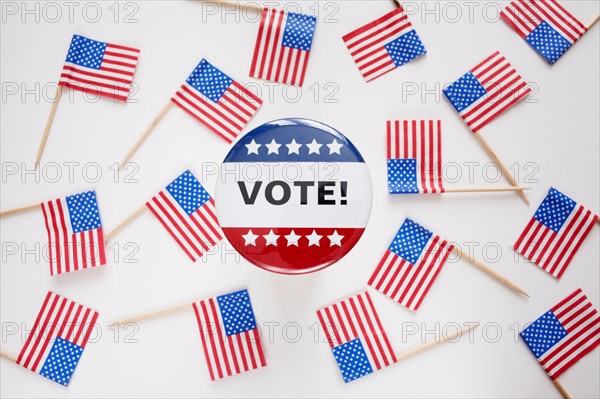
point(356, 317)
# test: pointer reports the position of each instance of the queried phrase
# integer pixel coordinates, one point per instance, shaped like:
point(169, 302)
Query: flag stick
point(484, 189)
point(430, 344)
point(20, 209)
point(561, 389)
point(8, 357)
point(503, 168)
point(235, 3)
point(146, 133)
point(588, 26)
point(146, 316)
point(491, 273)
point(125, 222)
point(397, 3)
point(57, 98)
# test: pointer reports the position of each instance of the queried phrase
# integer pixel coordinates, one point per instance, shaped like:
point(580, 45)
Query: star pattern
point(293, 147)
point(314, 239)
point(292, 238)
point(543, 333)
point(188, 192)
point(335, 239)
point(352, 360)
point(554, 210)
point(410, 241)
point(271, 238)
point(83, 212)
point(402, 176)
point(253, 147)
point(548, 42)
point(314, 147)
point(465, 91)
point(61, 361)
point(86, 52)
point(273, 147)
point(209, 81)
point(405, 48)
point(250, 238)
point(299, 31)
point(334, 147)
point(236, 312)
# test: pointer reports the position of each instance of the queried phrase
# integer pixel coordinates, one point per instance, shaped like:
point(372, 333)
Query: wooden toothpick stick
point(491, 273)
point(593, 21)
point(430, 344)
point(503, 168)
point(125, 222)
point(20, 209)
point(484, 189)
point(561, 389)
point(146, 316)
point(8, 357)
point(146, 133)
point(57, 97)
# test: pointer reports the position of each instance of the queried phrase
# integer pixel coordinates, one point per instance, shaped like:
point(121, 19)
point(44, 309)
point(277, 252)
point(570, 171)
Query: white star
point(314, 147)
point(250, 238)
point(271, 238)
point(292, 238)
point(253, 147)
point(273, 147)
point(293, 147)
point(334, 147)
point(335, 239)
point(313, 239)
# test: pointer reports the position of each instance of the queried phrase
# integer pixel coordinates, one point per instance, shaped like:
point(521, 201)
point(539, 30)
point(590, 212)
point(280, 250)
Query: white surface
point(557, 130)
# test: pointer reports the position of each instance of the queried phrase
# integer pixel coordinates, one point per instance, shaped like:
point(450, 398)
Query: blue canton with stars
point(61, 361)
point(352, 360)
point(402, 176)
point(410, 241)
point(464, 92)
point(299, 31)
point(548, 42)
point(543, 334)
point(405, 48)
point(83, 212)
point(188, 192)
point(236, 312)
point(209, 81)
point(554, 210)
point(86, 52)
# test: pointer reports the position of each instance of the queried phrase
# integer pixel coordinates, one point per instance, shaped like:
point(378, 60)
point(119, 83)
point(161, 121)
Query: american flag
point(486, 91)
point(187, 212)
point(99, 68)
point(283, 46)
point(230, 337)
point(59, 336)
point(410, 265)
point(384, 44)
point(545, 24)
point(356, 337)
point(414, 157)
point(217, 101)
point(564, 334)
point(555, 233)
point(75, 237)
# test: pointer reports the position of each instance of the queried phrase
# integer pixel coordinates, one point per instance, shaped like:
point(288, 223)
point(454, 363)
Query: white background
point(557, 130)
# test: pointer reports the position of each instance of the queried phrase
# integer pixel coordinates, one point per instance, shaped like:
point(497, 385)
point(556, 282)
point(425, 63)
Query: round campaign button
point(294, 196)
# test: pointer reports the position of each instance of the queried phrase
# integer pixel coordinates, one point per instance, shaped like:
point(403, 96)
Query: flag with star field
point(564, 334)
point(384, 44)
point(546, 25)
point(555, 233)
point(230, 337)
point(59, 335)
point(356, 337)
point(220, 103)
point(414, 157)
point(75, 236)
point(99, 68)
point(283, 46)
point(486, 91)
point(187, 211)
point(410, 265)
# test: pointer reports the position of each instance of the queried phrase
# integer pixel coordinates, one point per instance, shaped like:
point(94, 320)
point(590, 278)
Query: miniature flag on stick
point(564, 334)
point(75, 236)
point(555, 233)
point(59, 335)
point(546, 25)
point(283, 46)
point(229, 333)
point(384, 44)
point(356, 337)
